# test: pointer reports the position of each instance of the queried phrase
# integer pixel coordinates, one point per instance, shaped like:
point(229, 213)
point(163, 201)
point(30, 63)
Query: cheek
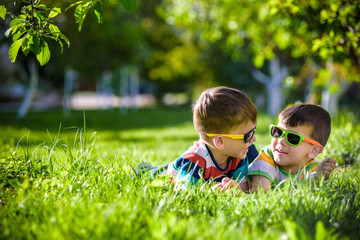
point(241, 147)
point(273, 143)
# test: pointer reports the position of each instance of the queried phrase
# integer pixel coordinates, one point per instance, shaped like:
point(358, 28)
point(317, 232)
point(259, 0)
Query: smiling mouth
point(280, 151)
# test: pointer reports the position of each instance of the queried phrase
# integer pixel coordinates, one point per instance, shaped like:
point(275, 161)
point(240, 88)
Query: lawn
point(71, 178)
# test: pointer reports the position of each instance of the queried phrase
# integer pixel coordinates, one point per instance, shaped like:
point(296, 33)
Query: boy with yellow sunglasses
point(300, 135)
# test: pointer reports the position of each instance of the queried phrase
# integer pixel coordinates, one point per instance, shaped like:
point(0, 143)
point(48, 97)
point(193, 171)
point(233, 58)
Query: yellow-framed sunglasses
point(247, 137)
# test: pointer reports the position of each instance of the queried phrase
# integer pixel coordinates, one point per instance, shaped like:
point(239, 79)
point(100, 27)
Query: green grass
point(74, 180)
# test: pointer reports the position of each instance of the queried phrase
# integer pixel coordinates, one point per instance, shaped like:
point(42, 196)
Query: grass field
point(73, 178)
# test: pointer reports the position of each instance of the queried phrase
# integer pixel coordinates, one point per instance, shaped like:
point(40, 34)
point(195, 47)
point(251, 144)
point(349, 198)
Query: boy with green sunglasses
point(300, 135)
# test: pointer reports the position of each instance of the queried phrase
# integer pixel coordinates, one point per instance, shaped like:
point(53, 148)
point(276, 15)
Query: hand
point(326, 167)
point(226, 183)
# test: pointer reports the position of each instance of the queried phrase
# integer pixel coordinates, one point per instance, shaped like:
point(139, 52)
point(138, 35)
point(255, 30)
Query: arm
point(185, 172)
point(259, 175)
point(260, 183)
point(262, 172)
point(240, 173)
point(228, 183)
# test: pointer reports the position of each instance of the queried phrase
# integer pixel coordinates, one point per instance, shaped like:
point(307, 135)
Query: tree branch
point(261, 77)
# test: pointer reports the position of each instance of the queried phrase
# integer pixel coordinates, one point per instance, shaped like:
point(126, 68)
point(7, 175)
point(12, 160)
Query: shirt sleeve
point(185, 171)
point(263, 166)
point(310, 170)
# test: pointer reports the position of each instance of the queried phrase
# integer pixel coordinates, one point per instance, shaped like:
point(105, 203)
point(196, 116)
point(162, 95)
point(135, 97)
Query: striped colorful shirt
point(198, 163)
point(265, 166)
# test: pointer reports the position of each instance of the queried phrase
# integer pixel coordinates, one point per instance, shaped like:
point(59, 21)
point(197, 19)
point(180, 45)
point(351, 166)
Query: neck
point(219, 158)
point(291, 170)
point(294, 169)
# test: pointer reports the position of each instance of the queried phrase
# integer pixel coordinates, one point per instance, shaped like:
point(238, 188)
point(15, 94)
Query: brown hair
point(219, 109)
point(308, 114)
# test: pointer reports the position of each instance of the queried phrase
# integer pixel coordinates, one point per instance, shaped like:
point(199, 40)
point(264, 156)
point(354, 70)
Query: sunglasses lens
point(276, 132)
point(249, 136)
point(293, 139)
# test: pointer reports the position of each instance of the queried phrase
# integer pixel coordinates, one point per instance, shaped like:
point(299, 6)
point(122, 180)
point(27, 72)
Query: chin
point(242, 156)
point(277, 160)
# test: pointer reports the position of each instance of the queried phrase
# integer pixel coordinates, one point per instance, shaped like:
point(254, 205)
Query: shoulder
point(266, 155)
point(264, 165)
point(196, 154)
point(311, 165)
point(309, 170)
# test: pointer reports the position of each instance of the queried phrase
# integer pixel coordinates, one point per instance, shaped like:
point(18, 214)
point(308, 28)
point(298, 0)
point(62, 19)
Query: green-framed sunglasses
point(292, 138)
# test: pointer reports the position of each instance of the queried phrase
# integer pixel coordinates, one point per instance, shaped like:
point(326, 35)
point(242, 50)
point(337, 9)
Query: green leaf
point(17, 28)
point(26, 44)
point(44, 53)
point(54, 30)
point(73, 5)
point(7, 33)
point(16, 21)
point(63, 37)
point(35, 43)
point(80, 13)
point(40, 16)
point(42, 6)
point(98, 12)
point(54, 12)
point(14, 49)
point(61, 46)
point(18, 34)
point(129, 4)
point(31, 43)
point(2, 11)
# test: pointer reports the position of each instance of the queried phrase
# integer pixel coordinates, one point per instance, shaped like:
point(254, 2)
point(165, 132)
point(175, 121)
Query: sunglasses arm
point(313, 142)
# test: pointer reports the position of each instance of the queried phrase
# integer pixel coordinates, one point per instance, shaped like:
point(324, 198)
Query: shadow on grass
point(101, 120)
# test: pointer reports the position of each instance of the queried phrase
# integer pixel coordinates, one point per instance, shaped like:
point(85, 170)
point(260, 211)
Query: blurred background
point(166, 52)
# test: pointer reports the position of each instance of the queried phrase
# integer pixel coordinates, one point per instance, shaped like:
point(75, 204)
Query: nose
point(253, 139)
point(282, 140)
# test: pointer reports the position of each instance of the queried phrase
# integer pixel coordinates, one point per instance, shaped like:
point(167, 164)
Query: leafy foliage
point(30, 29)
point(323, 30)
point(35, 24)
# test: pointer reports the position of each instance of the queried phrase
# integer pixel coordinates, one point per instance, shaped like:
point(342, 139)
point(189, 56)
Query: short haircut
point(311, 115)
point(220, 109)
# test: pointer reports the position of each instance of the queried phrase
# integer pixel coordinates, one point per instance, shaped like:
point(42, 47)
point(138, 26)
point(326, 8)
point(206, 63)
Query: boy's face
point(292, 158)
point(237, 148)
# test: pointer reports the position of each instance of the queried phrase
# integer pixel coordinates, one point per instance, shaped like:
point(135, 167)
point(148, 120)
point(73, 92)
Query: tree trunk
point(275, 98)
point(330, 95)
point(69, 82)
point(31, 90)
point(274, 86)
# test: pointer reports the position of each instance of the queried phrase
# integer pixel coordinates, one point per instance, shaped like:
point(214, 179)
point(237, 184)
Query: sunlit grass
point(79, 182)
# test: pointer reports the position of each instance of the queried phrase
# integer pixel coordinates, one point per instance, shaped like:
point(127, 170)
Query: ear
point(219, 142)
point(315, 151)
